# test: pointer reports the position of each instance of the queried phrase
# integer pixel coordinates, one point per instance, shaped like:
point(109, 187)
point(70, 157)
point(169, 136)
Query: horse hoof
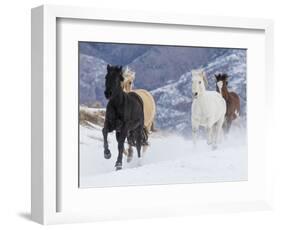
point(107, 154)
point(118, 166)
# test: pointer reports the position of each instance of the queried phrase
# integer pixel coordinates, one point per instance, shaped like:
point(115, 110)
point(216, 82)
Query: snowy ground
point(169, 159)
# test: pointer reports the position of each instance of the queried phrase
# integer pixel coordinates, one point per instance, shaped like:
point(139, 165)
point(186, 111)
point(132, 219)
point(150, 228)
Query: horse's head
point(199, 82)
point(221, 82)
point(129, 77)
point(113, 80)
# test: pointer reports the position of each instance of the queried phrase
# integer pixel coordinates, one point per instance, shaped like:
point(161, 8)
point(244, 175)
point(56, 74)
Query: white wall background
point(15, 112)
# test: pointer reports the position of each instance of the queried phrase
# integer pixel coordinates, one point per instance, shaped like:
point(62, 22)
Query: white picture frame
point(46, 183)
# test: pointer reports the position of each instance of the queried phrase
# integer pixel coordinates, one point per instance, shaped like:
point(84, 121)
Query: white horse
point(208, 109)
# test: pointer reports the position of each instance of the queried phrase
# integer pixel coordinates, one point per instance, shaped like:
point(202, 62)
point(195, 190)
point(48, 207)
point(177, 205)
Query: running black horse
point(124, 114)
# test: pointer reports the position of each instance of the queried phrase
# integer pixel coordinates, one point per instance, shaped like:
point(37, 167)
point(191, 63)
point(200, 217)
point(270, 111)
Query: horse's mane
point(129, 74)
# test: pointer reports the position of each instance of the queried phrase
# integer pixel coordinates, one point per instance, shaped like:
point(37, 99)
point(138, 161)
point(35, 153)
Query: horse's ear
point(108, 67)
point(120, 68)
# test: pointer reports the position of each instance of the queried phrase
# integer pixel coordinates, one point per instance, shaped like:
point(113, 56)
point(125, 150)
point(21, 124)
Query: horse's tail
point(144, 139)
point(145, 136)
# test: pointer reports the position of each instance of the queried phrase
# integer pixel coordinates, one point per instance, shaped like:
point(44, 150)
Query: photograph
point(152, 114)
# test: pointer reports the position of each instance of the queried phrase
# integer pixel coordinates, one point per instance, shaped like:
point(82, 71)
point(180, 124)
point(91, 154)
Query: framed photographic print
point(161, 76)
point(151, 114)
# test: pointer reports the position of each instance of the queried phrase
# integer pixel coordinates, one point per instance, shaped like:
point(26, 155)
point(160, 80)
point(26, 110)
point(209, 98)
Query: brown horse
point(149, 107)
point(231, 98)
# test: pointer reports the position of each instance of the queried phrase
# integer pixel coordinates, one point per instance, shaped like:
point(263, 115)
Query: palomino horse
point(208, 109)
point(124, 113)
point(231, 98)
point(149, 107)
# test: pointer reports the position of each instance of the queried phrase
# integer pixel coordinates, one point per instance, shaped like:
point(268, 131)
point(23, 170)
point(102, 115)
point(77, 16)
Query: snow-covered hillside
point(170, 158)
point(92, 71)
point(155, 65)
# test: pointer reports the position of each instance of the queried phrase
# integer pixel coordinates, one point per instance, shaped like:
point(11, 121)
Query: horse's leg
point(151, 127)
point(139, 141)
point(209, 135)
point(236, 119)
point(217, 131)
point(228, 125)
point(126, 151)
point(130, 140)
point(107, 153)
point(121, 140)
point(224, 125)
point(214, 136)
point(210, 132)
point(130, 154)
point(221, 135)
point(195, 127)
point(137, 133)
point(139, 137)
